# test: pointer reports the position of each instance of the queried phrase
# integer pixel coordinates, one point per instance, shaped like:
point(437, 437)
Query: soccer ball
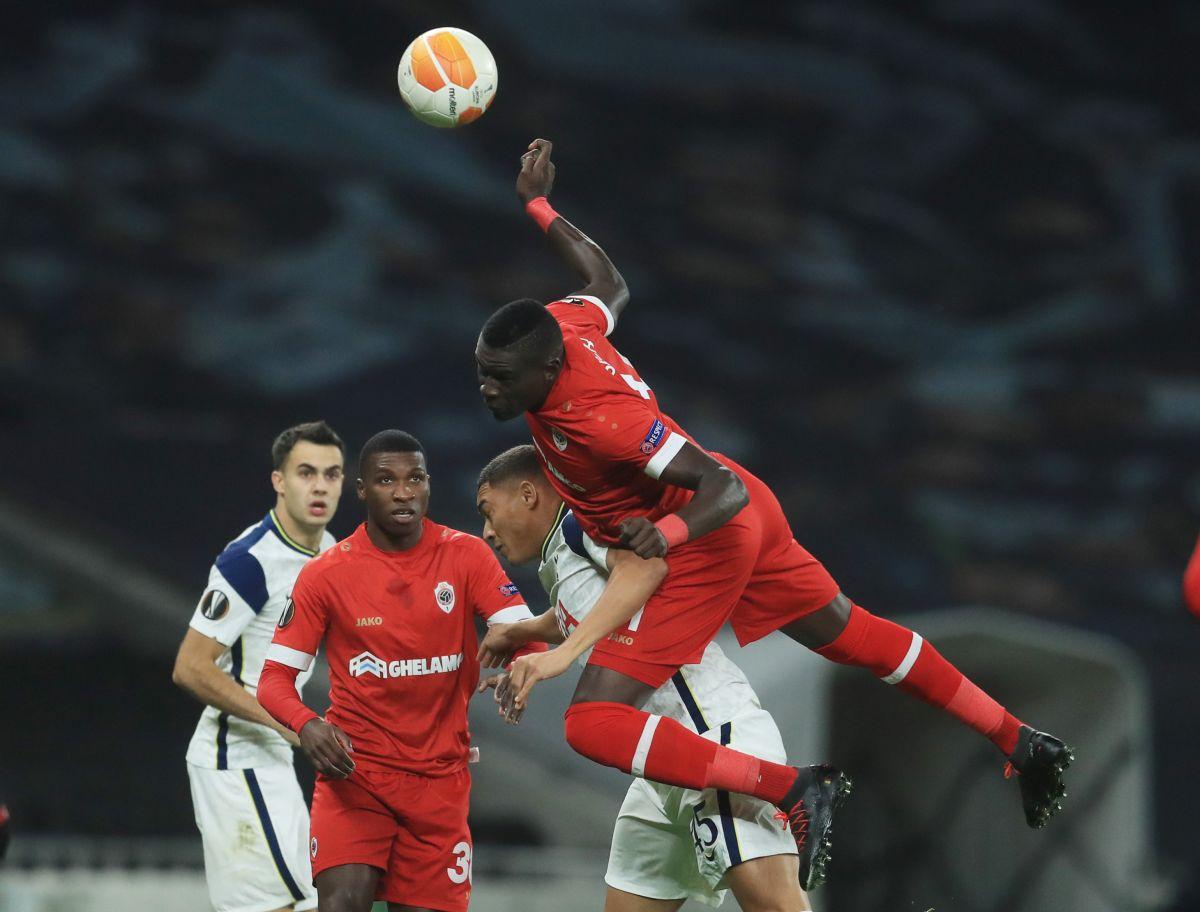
point(447, 77)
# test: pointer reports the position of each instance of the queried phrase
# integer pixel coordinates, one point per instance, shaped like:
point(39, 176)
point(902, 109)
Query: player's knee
point(577, 727)
point(343, 899)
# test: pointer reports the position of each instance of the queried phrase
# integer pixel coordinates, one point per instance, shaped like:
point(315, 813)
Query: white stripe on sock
point(638, 767)
point(910, 659)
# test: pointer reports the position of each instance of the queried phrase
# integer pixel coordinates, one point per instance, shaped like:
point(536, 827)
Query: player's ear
point(529, 494)
point(277, 481)
point(360, 488)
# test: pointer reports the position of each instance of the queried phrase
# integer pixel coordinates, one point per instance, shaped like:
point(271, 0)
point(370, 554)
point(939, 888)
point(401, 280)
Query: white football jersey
point(249, 586)
point(574, 572)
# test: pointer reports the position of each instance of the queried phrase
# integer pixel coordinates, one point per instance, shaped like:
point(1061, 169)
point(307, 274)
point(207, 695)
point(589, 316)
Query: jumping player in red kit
point(635, 478)
point(395, 606)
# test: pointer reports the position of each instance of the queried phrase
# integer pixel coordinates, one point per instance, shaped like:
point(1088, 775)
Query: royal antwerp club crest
point(444, 593)
point(559, 440)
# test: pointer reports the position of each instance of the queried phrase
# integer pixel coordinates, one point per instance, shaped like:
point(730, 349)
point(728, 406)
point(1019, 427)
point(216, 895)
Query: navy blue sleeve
point(244, 574)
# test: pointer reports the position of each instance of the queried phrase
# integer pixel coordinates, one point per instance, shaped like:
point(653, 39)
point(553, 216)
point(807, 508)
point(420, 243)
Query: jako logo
point(369, 622)
point(366, 664)
point(621, 638)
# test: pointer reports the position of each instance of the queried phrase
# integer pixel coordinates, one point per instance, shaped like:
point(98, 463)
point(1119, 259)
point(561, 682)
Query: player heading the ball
point(634, 477)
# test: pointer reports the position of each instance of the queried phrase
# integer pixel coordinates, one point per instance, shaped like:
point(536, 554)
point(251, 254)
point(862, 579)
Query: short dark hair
point(525, 325)
point(521, 462)
point(313, 431)
point(389, 441)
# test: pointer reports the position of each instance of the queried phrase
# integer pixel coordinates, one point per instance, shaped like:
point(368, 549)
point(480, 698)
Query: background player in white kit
point(249, 807)
point(669, 844)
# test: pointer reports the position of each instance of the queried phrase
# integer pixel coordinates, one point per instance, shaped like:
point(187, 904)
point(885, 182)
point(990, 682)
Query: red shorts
point(413, 828)
point(750, 572)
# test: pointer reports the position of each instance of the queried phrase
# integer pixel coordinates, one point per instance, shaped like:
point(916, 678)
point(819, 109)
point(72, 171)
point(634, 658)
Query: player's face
point(510, 520)
point(509, 382)
point(310, 483)
point(395, 487)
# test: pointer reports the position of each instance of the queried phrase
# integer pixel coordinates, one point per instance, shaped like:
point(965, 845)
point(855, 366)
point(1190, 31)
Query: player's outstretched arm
point(631, 582)
point(502, 640)
point(196, 672)
point(580, 253)
point(720, 496)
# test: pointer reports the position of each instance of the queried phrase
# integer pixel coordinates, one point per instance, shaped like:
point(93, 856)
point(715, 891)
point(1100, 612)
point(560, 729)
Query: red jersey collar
point(429, 535)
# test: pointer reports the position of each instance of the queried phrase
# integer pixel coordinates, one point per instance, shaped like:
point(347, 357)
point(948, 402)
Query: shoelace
point(1010, 770)
point(798, 823)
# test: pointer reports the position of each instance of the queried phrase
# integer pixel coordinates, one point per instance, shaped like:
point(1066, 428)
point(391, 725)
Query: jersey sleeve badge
point(654, 436)
point(214, 605)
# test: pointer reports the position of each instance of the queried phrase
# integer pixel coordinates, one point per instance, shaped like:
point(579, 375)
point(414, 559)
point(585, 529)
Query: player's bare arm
point(196, 672)
point(631, 581)
point(720, 496)
point(579, 252)
point(502, 640)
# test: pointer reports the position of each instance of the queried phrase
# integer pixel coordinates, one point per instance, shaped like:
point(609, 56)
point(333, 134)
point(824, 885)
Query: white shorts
point(254, 825)
point(675, 843)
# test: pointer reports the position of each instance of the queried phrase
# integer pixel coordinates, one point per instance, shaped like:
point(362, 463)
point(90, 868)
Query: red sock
point(901, 657)
point(662, 750)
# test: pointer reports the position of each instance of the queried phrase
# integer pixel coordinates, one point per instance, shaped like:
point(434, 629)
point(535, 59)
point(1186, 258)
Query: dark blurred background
point(926, 268)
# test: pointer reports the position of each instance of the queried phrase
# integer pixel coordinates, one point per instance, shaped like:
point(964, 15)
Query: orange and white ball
point(447, 77)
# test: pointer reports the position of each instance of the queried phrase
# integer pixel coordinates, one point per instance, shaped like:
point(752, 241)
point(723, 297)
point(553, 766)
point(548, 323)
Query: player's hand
point(643, 538)
point(503, 695)
point(501, 641)
point(328, 748)
point(526, 671)
point(537, 171)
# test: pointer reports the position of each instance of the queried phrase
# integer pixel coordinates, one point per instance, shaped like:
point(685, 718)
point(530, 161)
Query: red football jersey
point(601, 435)
point(399, 634)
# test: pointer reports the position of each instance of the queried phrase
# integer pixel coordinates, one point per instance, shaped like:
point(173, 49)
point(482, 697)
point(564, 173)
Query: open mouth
point(318, 508)
point(404, 514)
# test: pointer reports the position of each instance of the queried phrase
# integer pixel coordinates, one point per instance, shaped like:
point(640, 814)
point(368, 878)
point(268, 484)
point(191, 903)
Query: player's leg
point(767, 885)
point(430, 862)
point(604, 724)
point(647, 856)
point(662, 750)
point(283, 810)
point(791, 591)
point(347, 888)
point(850, 635)
point(845, 633)
point(353, 832)
point(245, 864)
point(619, 901)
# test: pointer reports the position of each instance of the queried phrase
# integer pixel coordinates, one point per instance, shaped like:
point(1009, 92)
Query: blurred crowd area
point(927, 269)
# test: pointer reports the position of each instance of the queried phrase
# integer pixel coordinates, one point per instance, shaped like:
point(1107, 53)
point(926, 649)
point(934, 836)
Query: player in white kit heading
point(249, 808)
point(669, 844)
